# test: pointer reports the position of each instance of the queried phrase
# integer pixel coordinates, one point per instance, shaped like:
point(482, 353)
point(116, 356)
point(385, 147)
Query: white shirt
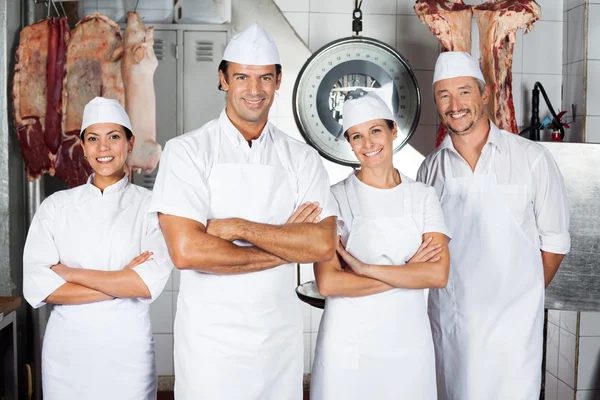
point(85, 228)
point(181, 186)
point(517, 161)
point(378, 203)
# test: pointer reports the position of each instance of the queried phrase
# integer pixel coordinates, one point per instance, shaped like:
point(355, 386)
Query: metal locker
point(165, 87)
point(202, 101)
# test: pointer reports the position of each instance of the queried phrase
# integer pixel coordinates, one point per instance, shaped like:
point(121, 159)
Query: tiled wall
point(573, 68)
point(317, 22)
point(593, 73)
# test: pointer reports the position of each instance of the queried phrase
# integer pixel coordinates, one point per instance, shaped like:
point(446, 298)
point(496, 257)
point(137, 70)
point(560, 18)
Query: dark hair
point(223, 68)
point(128, 133)
point(390, 124)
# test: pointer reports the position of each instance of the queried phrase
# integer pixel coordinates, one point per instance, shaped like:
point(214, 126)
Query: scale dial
point(343, 69)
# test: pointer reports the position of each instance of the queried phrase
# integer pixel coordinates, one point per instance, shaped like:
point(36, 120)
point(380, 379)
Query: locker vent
point(205, 51)
point(159, 48)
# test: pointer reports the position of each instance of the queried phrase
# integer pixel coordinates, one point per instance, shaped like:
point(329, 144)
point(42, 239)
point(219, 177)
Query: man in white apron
point(227, 194)
point(505, 204)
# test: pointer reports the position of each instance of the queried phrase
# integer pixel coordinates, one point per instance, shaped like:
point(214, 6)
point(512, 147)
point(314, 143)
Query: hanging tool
point(357, 17)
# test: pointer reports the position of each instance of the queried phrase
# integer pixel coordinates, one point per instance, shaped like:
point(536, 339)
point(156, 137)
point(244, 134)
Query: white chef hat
point(365, 108)
point(452, 64)
point(253, 46)
point(100, 110)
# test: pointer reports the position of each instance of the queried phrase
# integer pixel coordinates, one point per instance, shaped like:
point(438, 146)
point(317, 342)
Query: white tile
point(554, 317)
point(594, 1)
point(416, 43)
point(429, 113)
point(592, 129)
point(566, 358)
point(552, 10)
point(565, 38)
point(315, 319)
point(570, 4)
point(164, 354)
point(542, 48)
point(575, 34)
point(285, 94)
point(564, 391)
point(550, 387)
point(589, 324)
point(593, 31)
point(593, 88)
point(588, 395)
point(552, 342)
point(574, 89)
point(299, 21)
point(347, 6)
point(176, 276)
point(293, 5)
point(575, 132)
point(161, 313)
point(326, 27)
point(175, 296)
point(306, 321)
point(423, 140)
point(518, 60)
point(588, 366)
point(307, 353)
point(568, 321)
point(565, 101)
point(380, 27)
point(552, 85)
point(405, 7)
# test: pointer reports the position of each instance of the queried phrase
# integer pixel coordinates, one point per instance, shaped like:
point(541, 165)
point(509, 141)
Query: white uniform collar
point(235, 136)
point(494, 138)
point(114, 188)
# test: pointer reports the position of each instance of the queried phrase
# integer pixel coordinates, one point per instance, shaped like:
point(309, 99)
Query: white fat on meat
point(449, 20)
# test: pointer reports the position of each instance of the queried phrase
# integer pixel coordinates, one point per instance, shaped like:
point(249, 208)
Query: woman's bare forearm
point(122, 284)
point(71, 293)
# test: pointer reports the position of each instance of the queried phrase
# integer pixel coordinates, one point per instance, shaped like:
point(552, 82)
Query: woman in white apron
point(97, 254)
point(375, 340)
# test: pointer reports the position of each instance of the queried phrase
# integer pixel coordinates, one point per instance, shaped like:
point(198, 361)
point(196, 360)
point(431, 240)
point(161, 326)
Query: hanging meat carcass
point(137, 69)
point(498, 23)
point(450, 22)
point(93, 68)
point(35, 88)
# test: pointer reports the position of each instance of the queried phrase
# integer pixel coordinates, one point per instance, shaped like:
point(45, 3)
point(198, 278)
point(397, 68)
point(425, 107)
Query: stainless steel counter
point(576, 286)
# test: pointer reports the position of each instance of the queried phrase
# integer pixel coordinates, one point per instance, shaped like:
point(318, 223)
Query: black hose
point(549, 105)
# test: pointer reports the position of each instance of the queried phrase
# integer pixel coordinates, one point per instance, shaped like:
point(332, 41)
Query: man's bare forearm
point(71, 293)
point(122, 284)
point(551, 262)
point(300, 243)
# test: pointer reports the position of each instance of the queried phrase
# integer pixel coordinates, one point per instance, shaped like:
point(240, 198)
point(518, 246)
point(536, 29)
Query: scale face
point(341, 70)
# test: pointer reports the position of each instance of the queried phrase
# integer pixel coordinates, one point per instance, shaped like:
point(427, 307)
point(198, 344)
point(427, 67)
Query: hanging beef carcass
point(93, 68)
point(137, 69)
point(498, 23)
point(37, 80)
point(450, 22)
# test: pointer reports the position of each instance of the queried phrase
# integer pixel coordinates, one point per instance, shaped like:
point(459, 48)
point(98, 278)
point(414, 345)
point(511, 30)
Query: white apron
point(240, 336)
point(378, 346)
point(99, 351)
point(487, 323)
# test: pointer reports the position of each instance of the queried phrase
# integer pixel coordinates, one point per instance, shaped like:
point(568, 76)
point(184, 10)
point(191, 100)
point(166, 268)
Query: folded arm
point(71, 293)
point(125, 283)
point(190, 247)
point(332, 280)
point(302, 242)
point(413, 275)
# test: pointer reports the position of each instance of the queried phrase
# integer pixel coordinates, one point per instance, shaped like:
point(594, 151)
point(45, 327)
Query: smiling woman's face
point(372, 142)
point(106, 147)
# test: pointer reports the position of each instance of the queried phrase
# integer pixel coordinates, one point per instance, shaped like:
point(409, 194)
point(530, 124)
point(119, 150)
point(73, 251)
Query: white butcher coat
point(487, 322)
point(102, 350)
point(245, 327)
